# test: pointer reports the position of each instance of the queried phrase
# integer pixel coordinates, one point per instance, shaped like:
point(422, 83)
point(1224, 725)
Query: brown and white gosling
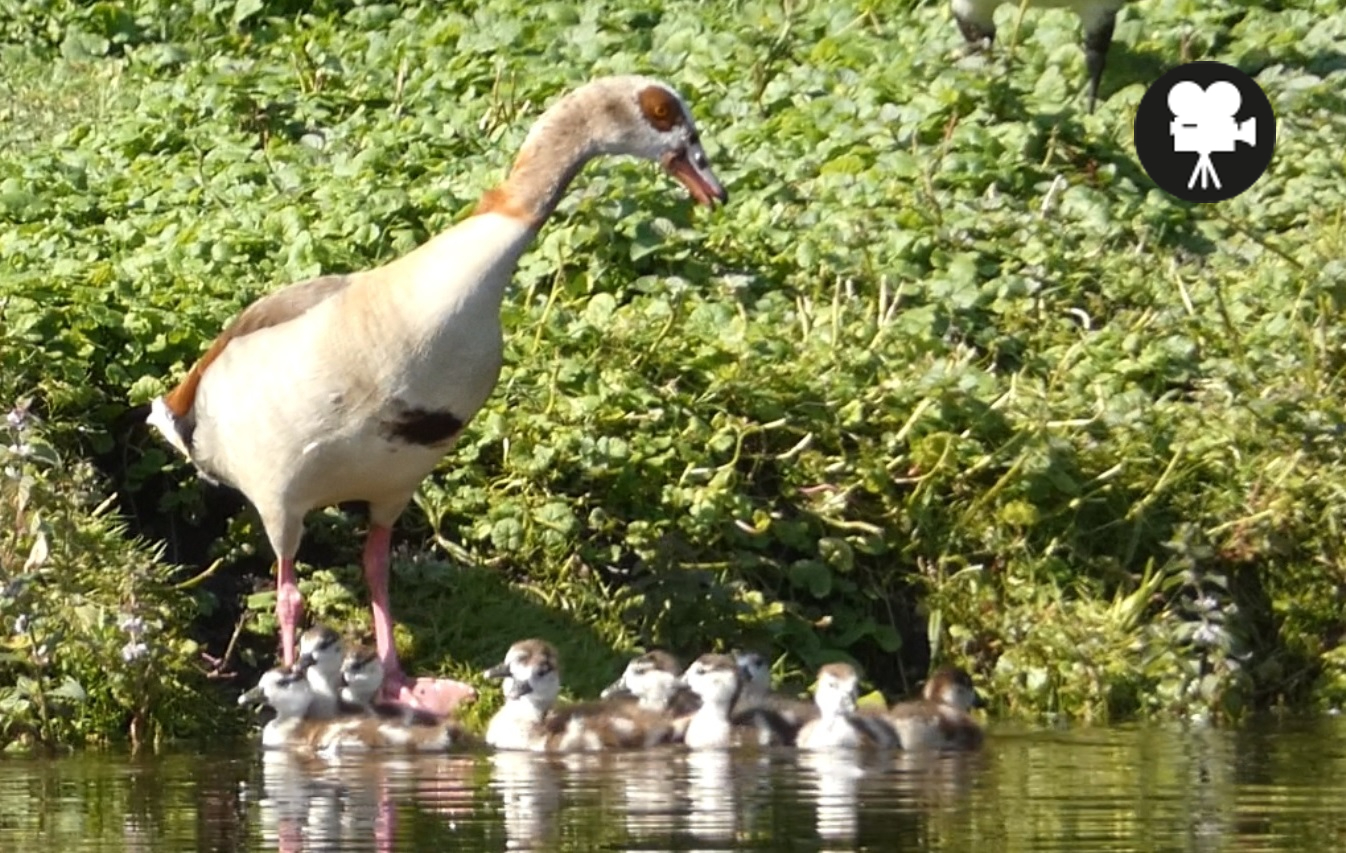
point(653, 681)
point(531, 719)
point(291, 695)
point(361, 683)
point(839, 724)
point(353, 387)
point(1098, 18)
point(940, 719)
point(717, 681)
point(757, 693)
point(321, 652)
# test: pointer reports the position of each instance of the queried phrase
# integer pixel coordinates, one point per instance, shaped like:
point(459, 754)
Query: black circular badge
point(1205, 131)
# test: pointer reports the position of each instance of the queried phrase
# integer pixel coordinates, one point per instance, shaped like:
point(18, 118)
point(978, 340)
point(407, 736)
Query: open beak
point(691, 168)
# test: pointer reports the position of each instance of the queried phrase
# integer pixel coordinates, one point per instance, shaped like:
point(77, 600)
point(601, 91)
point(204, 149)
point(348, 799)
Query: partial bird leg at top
point(436, 695)
point(289, 607)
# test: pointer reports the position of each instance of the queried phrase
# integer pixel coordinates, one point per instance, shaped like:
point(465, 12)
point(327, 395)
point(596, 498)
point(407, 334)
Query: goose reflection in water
point(299, 808)
point(648, 781)
point(529, 787)
point(836, 775)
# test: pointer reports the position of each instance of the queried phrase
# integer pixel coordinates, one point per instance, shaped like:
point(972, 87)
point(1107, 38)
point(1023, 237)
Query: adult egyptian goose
point(976, 20)
point(352, 387)
point(839, 725)
point(940, 719)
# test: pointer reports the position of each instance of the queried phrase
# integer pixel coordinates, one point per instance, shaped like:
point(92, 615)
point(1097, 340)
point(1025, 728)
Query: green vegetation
point(947, 378)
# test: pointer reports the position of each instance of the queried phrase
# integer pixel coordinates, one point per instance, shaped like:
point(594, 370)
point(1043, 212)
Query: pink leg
point(437, 696)
point(289, 608)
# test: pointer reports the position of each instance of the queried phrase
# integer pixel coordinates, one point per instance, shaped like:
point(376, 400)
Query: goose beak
point(252, 697)
point(305, 661)
point(497, 672)
point(691, 168)
point(616, 687)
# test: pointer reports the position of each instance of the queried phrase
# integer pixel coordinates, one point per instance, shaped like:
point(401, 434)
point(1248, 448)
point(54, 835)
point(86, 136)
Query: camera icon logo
point(1205, 108)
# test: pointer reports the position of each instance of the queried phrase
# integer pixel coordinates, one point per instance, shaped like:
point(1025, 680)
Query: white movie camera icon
point(1205, 123)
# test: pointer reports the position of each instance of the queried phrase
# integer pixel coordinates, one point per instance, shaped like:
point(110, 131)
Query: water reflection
point(1190, 788)
point(529, 788)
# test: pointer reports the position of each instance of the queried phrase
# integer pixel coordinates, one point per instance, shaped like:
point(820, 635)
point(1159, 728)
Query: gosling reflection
point(712, 797)
point(529, 786)
point(648, 780)
point(300, 809)
point(835, 776)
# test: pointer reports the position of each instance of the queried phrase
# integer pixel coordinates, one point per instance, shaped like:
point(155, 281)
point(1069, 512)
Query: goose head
point(283, 688)
point(756, 671)
point(652, 678)
point(321, 649)
point(632, 115)
point(530, 672)
point(716, 679)
point(361, 676)
point(952, 686)
point(837, 690)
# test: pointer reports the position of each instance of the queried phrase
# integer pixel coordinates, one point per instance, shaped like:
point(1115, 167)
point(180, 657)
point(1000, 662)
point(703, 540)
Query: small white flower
point(133, 625)
point(17, 418)
point(21, 624)
point(1208, 634)
point(134, 651)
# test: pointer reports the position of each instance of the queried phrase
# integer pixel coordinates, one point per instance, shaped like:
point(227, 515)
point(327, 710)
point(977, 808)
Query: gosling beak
point(691, 168)
point(517, 689)
point(305, 661)
point(616, 687)
point(497, 672)
point(252, 697)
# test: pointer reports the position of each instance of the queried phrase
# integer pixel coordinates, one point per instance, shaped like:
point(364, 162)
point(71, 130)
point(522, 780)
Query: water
point(1278, 785)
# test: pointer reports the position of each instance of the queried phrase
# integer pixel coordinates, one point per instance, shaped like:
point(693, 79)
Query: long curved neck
point(559, 145)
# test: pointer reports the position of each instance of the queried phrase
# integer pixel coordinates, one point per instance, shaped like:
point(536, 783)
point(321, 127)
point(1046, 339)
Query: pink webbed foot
point(438, 696)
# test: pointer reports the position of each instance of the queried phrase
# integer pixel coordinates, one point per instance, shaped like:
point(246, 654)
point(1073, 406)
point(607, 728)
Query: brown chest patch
point(425, 427)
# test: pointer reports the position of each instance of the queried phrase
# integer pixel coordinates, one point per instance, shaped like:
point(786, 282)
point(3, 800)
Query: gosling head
point(952, 686)
point(530, 671)
point(361, 676)
point(756, 670)
point(716, 679)
point(321, 648)
point(837, 690)
point(652, 678)
point(283, 688)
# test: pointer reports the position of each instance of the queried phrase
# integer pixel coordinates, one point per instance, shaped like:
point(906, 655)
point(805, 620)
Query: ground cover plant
point(949, 379)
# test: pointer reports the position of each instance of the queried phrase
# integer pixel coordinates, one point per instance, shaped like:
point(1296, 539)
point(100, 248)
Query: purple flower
point(134, 651)
point(133, 625)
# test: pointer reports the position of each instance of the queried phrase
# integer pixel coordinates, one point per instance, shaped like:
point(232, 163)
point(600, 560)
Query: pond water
point(1276, 785)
